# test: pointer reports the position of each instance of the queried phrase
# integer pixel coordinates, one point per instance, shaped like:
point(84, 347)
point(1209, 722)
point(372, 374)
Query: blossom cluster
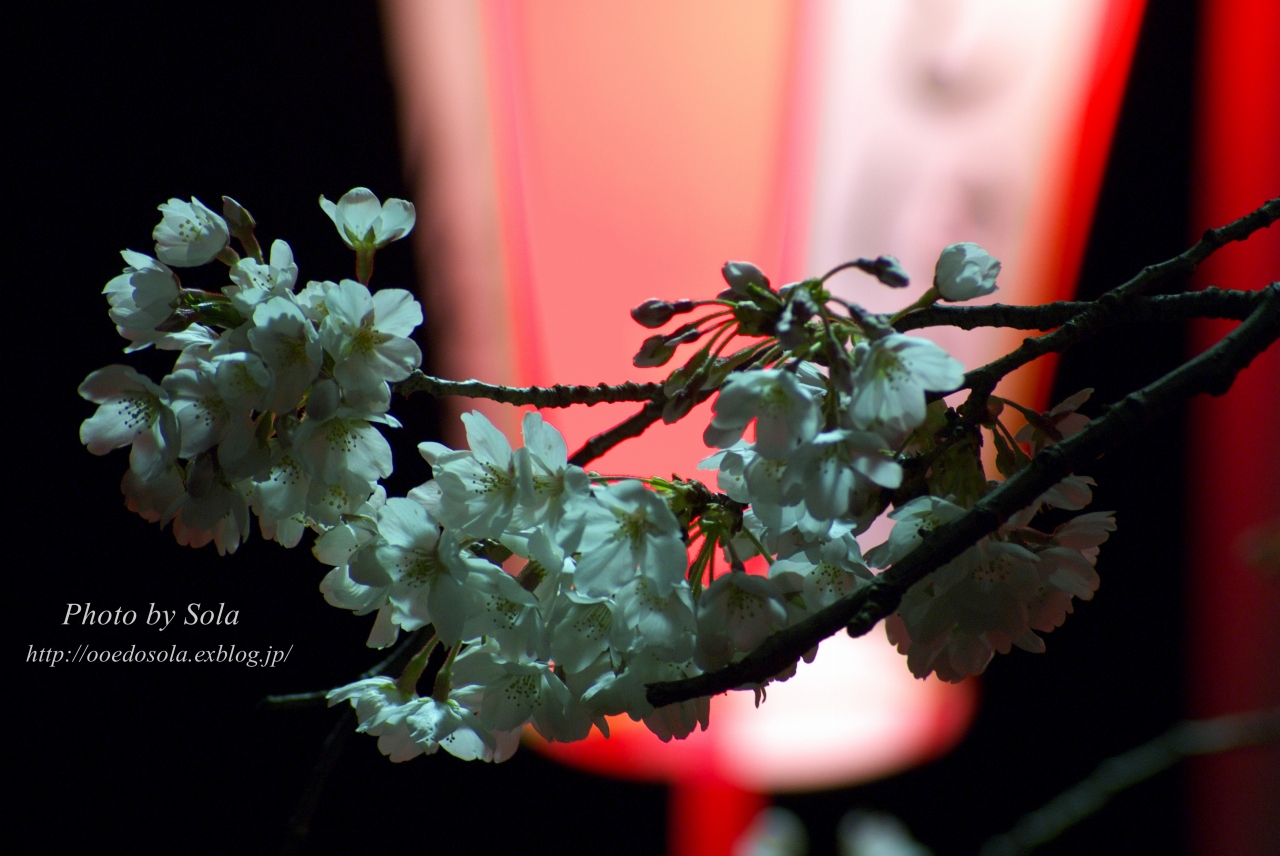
point(600, 605)
point(535, 592)
point(810, 492)
point(273, 398)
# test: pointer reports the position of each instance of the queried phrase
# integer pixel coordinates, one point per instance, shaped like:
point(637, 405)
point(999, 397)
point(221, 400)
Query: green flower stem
point(840, 370)
point(407, 683)
point(603, 479)
point(1027, 412)
point(871, 325)
point(751, 536)
point(719, 349)
point(364, 264)
point(700, 564)
point(725, 327)
point(856, 263)
point(1008, 435)
point(712, 315)
point(251, 246)
point(444, 677)
point(735, 561)
point(926, 300)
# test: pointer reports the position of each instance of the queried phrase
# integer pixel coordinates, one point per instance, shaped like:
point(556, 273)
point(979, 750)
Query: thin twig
point(334, 743)
point(300, 821)
point(1194, 737)
point(632, 426)
point(1212, 371)
point(1209, 303)
point(1212, 241)
point(294, 701)
point(639, 422)
point(1108, 308)
point(559, 395)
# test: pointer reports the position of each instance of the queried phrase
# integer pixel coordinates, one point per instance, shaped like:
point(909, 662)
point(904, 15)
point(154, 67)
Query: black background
point(115, 110)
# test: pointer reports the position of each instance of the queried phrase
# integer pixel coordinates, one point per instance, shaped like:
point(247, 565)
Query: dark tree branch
point(1212, 372)
point(336, 741)
point(539, 396)
point(557, 396)
point(1194, 737)
point(1077, 321)
point(1212, 241)
point(1209, 303)
point(1108, 308)
point(331, 749)
point(633, 426)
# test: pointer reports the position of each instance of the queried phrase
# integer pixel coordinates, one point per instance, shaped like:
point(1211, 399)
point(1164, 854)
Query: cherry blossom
point(134, 412)
point(189, 234)
point(965, 271)
point(363, 222)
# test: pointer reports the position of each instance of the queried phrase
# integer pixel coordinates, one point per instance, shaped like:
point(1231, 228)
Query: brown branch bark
point(633, 426)
point(1108, 308)
point(1209, 303)
point(1184, 740)
point(538, 396)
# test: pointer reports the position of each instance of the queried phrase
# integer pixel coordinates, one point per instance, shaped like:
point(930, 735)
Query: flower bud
point(965, 271)
point(654, 313)
point(238, 218)
point(742, 275)
point(890, 272)
point(654, 351)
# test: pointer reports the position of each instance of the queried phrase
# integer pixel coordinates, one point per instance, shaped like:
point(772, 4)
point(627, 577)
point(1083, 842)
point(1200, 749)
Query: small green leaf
point(722, 366)
point(680, 378)
point(958, 472)
point(752, 320)
point(1006, 460)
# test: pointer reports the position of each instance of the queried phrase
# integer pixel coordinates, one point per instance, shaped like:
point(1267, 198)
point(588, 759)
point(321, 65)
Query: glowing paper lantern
point(579, 157)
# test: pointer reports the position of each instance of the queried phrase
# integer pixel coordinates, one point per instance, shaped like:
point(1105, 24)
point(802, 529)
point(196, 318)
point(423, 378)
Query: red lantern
point(580, 157)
